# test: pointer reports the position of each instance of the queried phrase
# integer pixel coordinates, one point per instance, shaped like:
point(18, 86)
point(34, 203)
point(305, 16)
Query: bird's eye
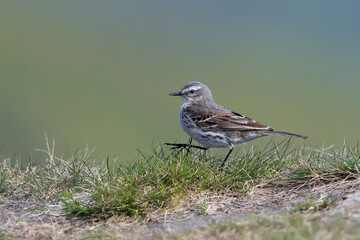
point(192, 91)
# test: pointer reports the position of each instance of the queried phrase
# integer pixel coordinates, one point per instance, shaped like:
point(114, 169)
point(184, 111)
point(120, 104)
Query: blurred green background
point(98, 73)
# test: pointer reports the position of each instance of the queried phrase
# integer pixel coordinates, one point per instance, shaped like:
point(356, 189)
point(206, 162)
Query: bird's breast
point(186, 122)
point(207, 138)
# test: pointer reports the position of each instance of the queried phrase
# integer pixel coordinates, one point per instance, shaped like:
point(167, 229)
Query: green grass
point(168, 181)
point(162, 179)
point(5, 236)
point(286, 227)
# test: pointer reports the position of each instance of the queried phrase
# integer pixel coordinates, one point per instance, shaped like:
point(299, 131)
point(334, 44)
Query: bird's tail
point(285, 134)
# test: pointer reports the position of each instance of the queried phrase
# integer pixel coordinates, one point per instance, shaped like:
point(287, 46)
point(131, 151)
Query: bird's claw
point(183, 145)
point(178, 146)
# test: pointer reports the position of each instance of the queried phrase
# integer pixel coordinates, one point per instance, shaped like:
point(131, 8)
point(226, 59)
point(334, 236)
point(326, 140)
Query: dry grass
point(76, 197)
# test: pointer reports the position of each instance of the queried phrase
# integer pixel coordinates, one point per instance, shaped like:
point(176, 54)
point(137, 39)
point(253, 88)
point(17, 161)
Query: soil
point(22, 216)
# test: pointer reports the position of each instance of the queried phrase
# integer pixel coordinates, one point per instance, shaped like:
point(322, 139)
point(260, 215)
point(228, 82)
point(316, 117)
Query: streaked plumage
point(214, 126)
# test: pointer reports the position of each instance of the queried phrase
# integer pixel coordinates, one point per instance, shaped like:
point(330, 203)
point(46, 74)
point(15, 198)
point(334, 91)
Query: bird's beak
point(176, 94)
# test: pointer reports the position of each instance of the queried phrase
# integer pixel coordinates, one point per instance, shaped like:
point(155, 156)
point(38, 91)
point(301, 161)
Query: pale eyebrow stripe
point(195, 88)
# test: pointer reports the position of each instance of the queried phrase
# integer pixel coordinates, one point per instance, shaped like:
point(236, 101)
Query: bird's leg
point(184, 145)
point(221, 168)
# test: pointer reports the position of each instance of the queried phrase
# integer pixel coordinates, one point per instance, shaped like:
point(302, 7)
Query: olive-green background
point(98, 73)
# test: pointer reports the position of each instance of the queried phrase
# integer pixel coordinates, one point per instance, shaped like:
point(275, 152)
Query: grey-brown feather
point(221, 118)
point(285, 134)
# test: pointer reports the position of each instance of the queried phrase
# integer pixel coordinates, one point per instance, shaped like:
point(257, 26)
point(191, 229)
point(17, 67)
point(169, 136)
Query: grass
point(165, 181)
point(170, 182)
point(314, 204)
point(286, 227)
point(157, 181)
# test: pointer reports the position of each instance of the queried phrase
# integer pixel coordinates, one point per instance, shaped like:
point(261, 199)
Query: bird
point(215, 126)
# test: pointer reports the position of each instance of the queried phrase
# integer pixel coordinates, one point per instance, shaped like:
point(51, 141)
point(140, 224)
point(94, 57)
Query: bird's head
point(195, 92)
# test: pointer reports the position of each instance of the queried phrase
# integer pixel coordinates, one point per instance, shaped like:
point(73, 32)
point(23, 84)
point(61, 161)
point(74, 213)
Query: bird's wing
point(225, 120)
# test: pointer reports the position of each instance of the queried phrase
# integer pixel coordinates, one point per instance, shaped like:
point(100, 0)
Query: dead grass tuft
point(79, 197)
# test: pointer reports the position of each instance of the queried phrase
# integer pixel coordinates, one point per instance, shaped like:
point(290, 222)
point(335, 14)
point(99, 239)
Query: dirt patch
point(21, 216)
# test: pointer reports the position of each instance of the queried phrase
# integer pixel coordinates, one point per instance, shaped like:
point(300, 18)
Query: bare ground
point(23, 217)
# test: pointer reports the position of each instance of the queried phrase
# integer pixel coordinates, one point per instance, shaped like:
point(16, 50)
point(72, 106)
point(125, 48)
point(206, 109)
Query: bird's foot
point(183, 145)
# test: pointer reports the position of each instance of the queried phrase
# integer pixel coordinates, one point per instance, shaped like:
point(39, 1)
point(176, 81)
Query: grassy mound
point(160, 181)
